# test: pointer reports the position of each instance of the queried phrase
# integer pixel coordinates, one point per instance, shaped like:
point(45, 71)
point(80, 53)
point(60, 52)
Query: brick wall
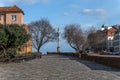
point(65, 53)
point(110, 60)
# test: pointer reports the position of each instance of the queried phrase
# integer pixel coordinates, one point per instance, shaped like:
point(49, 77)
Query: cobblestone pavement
point(53, 67)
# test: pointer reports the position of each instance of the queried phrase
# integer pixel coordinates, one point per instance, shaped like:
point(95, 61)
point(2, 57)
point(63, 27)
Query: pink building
point(11, 15)
point(14, 15)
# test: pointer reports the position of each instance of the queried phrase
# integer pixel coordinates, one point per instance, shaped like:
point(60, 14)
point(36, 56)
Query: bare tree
point(96, 40)
point(90, 30)
point(74, 36)
point(42, 32)
point(87, 44)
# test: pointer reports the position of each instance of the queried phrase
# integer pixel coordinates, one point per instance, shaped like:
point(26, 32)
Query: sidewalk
point(56, 67)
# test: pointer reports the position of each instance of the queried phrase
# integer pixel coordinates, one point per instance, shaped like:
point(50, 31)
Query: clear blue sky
point(87, 13)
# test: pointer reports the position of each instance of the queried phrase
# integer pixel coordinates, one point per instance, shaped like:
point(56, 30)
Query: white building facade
point(109, 30)
point(116, 42)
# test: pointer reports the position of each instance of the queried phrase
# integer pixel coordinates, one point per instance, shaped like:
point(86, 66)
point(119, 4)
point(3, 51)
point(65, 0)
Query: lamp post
point(58, 42)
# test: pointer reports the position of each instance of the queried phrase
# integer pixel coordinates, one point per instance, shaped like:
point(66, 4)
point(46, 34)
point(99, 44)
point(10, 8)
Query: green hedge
point(19, 58)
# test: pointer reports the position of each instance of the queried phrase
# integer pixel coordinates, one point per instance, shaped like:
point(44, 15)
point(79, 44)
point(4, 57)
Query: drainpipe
point(4, 13)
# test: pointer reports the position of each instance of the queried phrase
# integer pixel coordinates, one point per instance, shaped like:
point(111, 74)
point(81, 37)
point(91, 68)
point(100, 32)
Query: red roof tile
point(110, 31)
point(11, 9)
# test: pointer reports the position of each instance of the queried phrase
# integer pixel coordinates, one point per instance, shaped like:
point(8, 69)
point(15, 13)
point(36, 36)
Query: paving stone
point(56, 67)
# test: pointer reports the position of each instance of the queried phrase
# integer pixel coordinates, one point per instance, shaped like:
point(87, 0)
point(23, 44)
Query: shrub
point(27, 57)
point(11, 38)
point(9, 56)
point(37, 54)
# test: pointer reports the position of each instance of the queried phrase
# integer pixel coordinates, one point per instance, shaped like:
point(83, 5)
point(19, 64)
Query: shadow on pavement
point(93, 65)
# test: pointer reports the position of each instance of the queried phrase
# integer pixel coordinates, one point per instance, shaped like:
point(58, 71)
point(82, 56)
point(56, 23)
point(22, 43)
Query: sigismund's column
point(58, 45)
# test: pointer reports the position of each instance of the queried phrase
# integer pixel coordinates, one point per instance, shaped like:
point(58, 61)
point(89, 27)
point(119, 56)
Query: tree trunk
point(16, 50)
point(4, 53)
point(38, 49)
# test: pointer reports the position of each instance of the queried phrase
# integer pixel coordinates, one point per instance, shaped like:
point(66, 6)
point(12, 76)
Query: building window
point(14, 17)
